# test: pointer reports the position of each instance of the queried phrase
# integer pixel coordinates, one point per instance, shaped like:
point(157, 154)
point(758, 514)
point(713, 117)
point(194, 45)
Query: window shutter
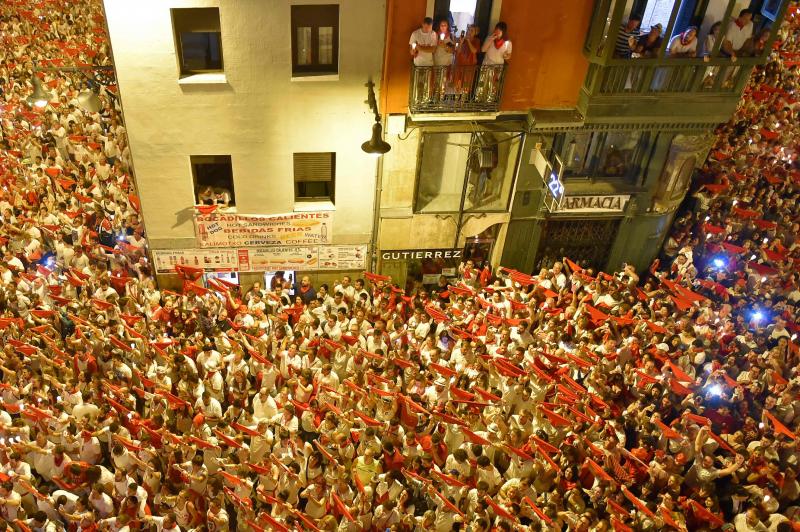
point(314, 166)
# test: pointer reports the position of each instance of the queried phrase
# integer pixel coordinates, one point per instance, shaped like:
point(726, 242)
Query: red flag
point(447, 418)
point(442, 370)
point(341, 508)
point(448, 479)
point(544, 445)
point(245, 430)
point(698, 419)
point(556, 419)
point(619, 526)
point(233, 479)
point(638, 503)
point(449, 504)
point(538, 511)
point(678, 388)
point(273, 523)
point(485, 394)
point(375, 278)
point(599, 471)
point(780, 427)
point(701, 512)
point(668, 432)
point(474, 438)
point(667, 517)
point(368, 420)
point(678, 372)
point(722, 443)
point(499, 510)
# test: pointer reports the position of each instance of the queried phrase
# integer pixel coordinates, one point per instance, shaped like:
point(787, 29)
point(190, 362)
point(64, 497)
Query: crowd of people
point(572, 399)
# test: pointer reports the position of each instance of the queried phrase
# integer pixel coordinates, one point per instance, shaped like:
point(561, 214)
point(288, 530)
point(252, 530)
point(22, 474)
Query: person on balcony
point(684, 44)
point(423, 44)
point(626, 38)
point(443, 57)
point(445, 45)
point(497, 52)
point(466, 59)
point(739, 31)
point(756, 45)
point(497, 47)
point(648, 44)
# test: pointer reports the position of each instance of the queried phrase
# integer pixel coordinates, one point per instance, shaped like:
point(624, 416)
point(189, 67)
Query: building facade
point(616, 133)
point(251, 108)
point(246, 117)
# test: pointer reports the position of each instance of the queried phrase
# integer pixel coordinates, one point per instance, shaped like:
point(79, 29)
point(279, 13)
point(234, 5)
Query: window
point(198, 40)
point(598, 154)
point(213, 180)
point(315, 40)
point(314, 176)
point(466, 171)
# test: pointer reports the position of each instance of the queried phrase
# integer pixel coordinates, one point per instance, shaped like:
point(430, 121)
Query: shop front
point(415, 268)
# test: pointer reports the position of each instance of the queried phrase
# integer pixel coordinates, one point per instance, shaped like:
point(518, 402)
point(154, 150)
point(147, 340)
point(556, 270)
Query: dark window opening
point(198, 40)
point(213, 180)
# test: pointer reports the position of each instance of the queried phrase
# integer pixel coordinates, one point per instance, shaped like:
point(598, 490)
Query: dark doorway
point(461, 13)
point(587, 242)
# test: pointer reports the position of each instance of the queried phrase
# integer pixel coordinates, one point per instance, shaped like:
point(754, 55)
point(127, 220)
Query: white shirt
point(420, 38)
point(737, 36)
point(494, 55)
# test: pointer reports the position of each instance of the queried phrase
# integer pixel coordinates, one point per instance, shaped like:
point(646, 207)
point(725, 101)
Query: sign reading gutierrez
point(252, 230)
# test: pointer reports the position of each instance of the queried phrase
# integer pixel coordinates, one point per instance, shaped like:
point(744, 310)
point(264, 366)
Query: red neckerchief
point(740, 24)
point(305, 289)
point(498, 43)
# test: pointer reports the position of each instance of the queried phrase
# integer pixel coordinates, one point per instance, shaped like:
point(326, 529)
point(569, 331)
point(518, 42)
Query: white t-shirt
point(420, 38)
point(737, 36)
point(494, 55)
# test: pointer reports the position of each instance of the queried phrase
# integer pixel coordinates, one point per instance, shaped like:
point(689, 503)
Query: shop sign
point(249, 230)
point(266, 259)
point(421, 254)
point(614, 203)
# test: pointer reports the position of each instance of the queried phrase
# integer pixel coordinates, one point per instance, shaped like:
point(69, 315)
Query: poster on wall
point(211, 260)
point(280, 258)
point(251, 230)
point(342, 257)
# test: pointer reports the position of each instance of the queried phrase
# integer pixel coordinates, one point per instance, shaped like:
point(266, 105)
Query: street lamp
point(39, 97)
point(375, 146)
point(87, 99)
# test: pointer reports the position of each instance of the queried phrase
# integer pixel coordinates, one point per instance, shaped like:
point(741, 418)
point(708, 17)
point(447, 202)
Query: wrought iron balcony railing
point(456, 89)
point(649, 79)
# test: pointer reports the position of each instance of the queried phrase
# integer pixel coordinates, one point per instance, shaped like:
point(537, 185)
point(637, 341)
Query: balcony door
point(462, 13)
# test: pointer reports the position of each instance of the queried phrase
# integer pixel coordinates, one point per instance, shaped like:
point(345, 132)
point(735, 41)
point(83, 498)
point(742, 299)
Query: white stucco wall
point(259, 117)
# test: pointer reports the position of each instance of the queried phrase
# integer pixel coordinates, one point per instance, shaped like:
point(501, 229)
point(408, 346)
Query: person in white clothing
point(739, 30)
point(497, 52)
point(423, 44)
point(497, 47)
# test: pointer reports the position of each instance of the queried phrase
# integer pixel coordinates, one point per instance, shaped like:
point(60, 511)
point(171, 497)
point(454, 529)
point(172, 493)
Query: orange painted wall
point(403, 17)
point(546, 70)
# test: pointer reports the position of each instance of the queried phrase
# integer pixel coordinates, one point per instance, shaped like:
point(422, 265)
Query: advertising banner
point(266, 259)
point(250, 230)
point(211, 260)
